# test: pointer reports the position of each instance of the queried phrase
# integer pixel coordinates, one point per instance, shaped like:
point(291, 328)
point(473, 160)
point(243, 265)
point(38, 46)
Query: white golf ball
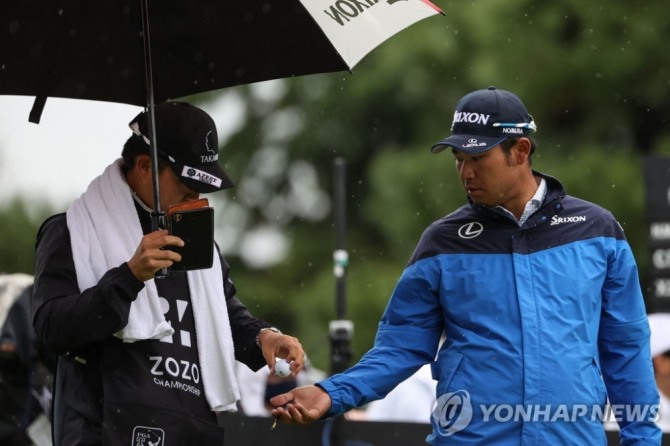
point(282, 368)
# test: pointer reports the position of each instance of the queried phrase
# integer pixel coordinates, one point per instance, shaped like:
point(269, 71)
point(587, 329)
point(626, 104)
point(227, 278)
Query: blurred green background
point(595, 75)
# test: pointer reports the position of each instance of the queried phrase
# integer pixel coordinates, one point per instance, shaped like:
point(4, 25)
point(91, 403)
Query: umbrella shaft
point(150, 105)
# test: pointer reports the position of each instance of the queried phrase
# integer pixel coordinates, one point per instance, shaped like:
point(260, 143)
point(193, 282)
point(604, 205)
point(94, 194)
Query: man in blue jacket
point(537, 293)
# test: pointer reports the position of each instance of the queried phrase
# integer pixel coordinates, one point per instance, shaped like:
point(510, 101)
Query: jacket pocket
point(599, 384)
point(444, 369)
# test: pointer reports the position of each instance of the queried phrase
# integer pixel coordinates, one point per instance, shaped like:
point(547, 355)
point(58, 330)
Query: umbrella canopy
point(96, 50)
point(141, 51)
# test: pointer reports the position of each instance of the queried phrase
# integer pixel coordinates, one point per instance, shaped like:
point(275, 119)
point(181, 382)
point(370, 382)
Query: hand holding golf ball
point(282, 368)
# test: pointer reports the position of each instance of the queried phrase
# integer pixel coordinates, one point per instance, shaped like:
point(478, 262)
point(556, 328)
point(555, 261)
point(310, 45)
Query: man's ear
point(521, 150)
point(143, 164)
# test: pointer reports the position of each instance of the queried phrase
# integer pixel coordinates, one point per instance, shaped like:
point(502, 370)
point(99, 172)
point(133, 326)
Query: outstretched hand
point(302, 405)
point(149, 257)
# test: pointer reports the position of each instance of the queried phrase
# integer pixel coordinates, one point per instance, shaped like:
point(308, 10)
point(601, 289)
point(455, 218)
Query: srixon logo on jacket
point(556, 220)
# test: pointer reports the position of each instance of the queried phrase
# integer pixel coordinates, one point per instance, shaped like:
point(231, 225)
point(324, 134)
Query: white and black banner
point(657, 186)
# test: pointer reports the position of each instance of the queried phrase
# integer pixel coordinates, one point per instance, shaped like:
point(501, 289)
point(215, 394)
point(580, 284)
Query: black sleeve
point(64, 318)
point(243, 325)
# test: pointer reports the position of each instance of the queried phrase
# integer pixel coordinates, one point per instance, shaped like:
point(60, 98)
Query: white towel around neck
point(105, 231)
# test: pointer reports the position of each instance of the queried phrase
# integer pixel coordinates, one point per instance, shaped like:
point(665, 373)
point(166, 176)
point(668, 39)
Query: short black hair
point(134, 147)
point(507, 145)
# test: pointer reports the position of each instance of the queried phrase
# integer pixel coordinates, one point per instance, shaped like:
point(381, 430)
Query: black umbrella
point(138, 52)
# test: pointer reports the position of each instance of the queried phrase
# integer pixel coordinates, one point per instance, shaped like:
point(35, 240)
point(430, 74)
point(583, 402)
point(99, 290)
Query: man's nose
point(465, 171)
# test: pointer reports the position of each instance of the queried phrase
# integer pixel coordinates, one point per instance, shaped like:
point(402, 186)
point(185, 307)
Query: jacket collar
point(551, 205)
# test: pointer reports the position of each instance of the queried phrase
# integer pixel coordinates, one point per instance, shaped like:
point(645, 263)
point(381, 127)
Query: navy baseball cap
point(484, 119)
point(188, 140)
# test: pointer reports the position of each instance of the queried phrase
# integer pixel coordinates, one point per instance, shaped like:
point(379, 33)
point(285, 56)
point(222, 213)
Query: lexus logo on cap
point(470, 230)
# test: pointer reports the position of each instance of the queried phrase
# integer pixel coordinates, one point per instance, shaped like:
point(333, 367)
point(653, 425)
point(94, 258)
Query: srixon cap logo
point(470, 118)
point(343, 11)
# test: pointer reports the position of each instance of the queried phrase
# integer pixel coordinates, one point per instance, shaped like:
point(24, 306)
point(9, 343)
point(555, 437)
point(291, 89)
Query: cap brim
point(203, 179)
point(470, 144)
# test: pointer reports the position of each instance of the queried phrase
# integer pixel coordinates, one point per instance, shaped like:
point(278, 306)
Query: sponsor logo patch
point(473, 142)
point(471, 118)
point(470, 230)
point(199, 175)
point(556, 220)
point(148, 436)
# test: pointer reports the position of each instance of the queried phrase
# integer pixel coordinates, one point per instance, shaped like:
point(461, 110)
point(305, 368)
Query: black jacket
point(149, 390)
